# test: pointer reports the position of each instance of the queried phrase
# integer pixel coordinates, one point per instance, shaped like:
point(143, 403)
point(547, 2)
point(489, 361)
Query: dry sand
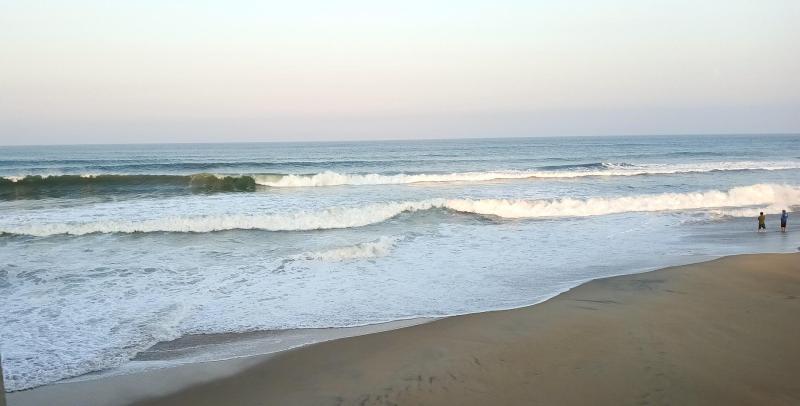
point(725, 332)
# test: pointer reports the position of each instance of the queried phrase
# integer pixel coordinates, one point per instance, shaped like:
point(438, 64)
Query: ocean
point(106, 250)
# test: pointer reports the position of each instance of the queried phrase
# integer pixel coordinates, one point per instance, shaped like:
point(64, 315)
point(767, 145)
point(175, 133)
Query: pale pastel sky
point(239, 70)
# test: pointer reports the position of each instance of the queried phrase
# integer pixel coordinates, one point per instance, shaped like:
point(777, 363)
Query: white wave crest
point(17, 178)
point(750, 211)
point(338, 217)
point(329, 178)
point(373, 249)
point(770, 196)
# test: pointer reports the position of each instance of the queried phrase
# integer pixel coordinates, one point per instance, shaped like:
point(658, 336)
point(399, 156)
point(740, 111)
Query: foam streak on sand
point(772, 196)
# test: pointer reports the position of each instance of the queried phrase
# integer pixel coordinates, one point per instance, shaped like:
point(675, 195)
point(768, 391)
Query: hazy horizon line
point(363, 140)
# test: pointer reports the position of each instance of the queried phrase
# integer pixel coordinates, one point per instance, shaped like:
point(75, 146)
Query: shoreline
point(198, 349)
point(168, 375)
point(230, 377)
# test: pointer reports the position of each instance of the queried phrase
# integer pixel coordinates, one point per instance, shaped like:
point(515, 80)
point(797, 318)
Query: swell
point(32, 186)
point(770, 197)
point(138, 166)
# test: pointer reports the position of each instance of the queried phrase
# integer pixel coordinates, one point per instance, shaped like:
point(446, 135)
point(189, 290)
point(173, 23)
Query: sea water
point(107, 250)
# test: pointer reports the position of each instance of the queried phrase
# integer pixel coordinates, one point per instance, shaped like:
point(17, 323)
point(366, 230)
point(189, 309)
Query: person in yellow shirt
point(762, 222)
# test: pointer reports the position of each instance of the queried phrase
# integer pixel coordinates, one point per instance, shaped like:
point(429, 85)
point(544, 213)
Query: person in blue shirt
point(784, 218)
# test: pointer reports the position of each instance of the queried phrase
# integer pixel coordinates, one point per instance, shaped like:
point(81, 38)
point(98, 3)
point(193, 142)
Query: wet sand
point(721, 332)
point(190, 360)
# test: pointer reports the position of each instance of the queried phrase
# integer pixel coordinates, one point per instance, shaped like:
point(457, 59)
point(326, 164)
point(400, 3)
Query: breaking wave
point(373, 249)
point(32, 185)
point(769, 196)
point(330, 178)
point(772, 198)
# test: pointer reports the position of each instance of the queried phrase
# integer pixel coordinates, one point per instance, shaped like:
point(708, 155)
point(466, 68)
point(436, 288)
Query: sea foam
point(330, 178)
point(372, 249)
point(771, 197)
point(247, 182)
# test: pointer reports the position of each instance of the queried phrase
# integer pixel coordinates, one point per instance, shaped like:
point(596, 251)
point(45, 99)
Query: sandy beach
point(720, 332)
point(374, 203)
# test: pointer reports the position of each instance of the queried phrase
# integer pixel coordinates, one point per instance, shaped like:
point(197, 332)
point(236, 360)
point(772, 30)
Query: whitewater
point(772, 197)
point(330, 178)
point(106, 251)
point(244, 182)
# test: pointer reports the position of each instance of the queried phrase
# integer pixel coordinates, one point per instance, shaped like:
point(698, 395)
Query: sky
point(240, 70)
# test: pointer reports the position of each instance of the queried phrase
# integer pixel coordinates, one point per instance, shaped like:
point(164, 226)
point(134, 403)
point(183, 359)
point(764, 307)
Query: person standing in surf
point(784, 219)
point(762, 222)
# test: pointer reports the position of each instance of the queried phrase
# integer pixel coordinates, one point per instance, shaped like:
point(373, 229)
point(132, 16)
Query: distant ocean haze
point(107, 250)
